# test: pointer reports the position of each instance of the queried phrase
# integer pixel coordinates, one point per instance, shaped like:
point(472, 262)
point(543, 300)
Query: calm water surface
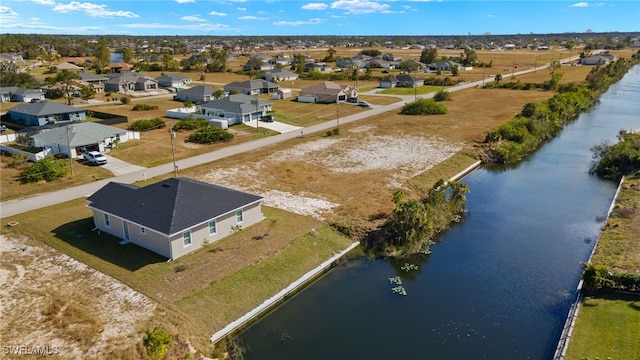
point(496, 286)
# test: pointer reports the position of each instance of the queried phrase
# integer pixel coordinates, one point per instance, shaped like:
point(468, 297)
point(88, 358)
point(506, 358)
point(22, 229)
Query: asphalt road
point(18, 206)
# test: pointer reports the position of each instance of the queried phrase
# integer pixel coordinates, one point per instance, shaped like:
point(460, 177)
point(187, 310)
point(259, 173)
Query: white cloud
point(315, 6)
point(185, 1)
point(580, 4)
point(6, 11)
point(251, 17)
point(194, 18)
point(360, 6)
point(242, 9)
point(299, 22)
point(215, 13)
point(94, 10)
point(45, 2)
point(204, 27)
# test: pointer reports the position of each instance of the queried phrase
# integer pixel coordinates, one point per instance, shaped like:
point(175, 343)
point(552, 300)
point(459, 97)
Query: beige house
point(173, 217)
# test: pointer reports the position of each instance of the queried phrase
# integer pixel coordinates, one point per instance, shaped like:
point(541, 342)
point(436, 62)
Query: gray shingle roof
point(87, 133)
point(199, 90)
point(236, 103)
point(170, 206)
point(42, 108)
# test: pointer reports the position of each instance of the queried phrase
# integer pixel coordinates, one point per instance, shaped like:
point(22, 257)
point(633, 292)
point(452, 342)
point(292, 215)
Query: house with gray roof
point(197, 94)
point(251, 87)
point(129, 81)
point(173, 81)
point(173, 217)
point(236, 109)
point(18, 94)
point(73, 140)
point(45, 112)
point(278, 74)
point(327, 92)
point(6, 93)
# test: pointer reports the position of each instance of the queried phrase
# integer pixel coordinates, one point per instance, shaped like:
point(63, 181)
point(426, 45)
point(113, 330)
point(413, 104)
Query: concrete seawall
point(280, 296)
point(565, 337)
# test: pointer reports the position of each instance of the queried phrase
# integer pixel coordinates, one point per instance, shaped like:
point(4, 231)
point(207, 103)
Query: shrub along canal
point(496, 286)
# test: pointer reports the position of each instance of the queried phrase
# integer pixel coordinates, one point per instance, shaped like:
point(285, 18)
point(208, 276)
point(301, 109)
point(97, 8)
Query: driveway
point(275, 126)
point(119, 167)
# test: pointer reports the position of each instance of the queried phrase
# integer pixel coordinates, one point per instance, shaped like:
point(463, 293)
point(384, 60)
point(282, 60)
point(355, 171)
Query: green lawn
point(420, 90)
point(606, 328)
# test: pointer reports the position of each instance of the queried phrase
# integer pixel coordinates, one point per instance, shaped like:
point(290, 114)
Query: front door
point(125, 226)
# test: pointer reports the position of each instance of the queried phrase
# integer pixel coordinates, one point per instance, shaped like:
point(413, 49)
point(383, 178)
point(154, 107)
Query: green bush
point(143, 107)
point(125, 100)
point(190, 123)
point(147, 124)
point(210, 135)
point(333, 132)
point(442, 96)
point(615, 161)
point(423, 107)
point(48, 169)
point(156, 342)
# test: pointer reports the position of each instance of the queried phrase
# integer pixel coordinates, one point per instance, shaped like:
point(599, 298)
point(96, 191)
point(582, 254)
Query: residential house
point(445, 65)
point(173, 217)
point(93, 81)
point(409, 81)
point(282, 94)
point(251, 87)
point(69, 66)
point(392, 58)
point(118, 67)
point(45, 112)
point(173, 81)
point(129, 81)
point(389, 82)
point(236, 109)
point(381, 64)
point(11, 58)
point(278, 74)
point(72, 140)
point(197, 94)
point(18, 94)
point(350, 63)
point(327, 92)
point(594, 60)
point(317, 66)
point(27, 95)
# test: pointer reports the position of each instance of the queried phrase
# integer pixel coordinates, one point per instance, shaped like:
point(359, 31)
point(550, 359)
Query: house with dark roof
point(45, 112)
point(327, 92)
point(73, 140)
point(129, 81)
point(18, 94)
point(175, 216)
point(196, 94)
point(236, 109)
point(251, 87)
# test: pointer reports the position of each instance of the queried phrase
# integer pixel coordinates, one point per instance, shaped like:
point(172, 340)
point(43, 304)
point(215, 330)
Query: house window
point(107, 222)
point(212, 227)
point(239, 216)
point(186, 238)
point(143, 231)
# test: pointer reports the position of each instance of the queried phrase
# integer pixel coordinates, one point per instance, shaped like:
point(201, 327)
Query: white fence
point(29, 156)
point(5, 138)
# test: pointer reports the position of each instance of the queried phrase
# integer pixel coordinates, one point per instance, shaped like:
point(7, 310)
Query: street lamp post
point(69, 128)
point(173, 150)
point(337, 111)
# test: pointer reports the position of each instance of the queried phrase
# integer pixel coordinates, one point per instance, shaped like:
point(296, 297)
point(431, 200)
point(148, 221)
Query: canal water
point(498, 285)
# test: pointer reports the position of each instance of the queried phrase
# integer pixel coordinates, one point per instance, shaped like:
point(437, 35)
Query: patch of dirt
point(51, 300)
point(402, 156)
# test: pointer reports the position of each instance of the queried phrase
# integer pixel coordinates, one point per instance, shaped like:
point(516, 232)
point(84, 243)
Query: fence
point(29, 156)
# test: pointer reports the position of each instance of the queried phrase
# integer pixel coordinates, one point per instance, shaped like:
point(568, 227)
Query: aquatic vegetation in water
point(409, 267)
point(395, 280)
point(399, 290)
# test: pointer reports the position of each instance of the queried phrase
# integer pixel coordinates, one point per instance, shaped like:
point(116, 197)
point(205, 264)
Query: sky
point(292, 17)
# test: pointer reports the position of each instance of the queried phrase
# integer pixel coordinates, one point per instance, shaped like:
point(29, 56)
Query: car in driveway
point(363, 104)
point(94, 157)
point(268, 118)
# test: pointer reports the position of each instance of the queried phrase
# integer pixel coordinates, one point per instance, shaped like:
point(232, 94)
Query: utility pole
point(173, 150)
point(69, 128)
point(337, 110)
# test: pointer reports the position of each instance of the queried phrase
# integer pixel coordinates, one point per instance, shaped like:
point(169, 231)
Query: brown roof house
point(327, 92)
point(173, 217)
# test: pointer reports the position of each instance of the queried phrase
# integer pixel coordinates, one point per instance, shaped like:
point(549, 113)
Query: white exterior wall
point(160, 244)
point(307, 99)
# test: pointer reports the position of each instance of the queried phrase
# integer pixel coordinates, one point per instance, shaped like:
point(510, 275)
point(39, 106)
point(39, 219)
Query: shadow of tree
point(80, 235)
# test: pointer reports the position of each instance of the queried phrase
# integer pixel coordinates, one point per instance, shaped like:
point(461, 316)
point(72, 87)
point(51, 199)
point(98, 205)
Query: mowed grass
point(229, 277)
point(618, 247)
point(606, 328)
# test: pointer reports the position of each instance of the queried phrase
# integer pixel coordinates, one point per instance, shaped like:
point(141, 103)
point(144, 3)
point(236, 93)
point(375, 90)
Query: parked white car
point(95, 158)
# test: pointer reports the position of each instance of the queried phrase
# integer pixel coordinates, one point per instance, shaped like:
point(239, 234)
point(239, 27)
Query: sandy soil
point(107, 314)
point(405, 156)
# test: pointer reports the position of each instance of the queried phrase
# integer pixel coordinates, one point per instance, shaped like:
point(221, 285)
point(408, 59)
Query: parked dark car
point(353, 100)
point(268, 118)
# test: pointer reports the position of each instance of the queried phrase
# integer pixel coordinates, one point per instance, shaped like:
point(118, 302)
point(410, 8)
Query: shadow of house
point(80, 235)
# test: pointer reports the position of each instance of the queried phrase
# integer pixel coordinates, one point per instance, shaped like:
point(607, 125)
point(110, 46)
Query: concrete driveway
point(275, 126)
point(119, 167)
